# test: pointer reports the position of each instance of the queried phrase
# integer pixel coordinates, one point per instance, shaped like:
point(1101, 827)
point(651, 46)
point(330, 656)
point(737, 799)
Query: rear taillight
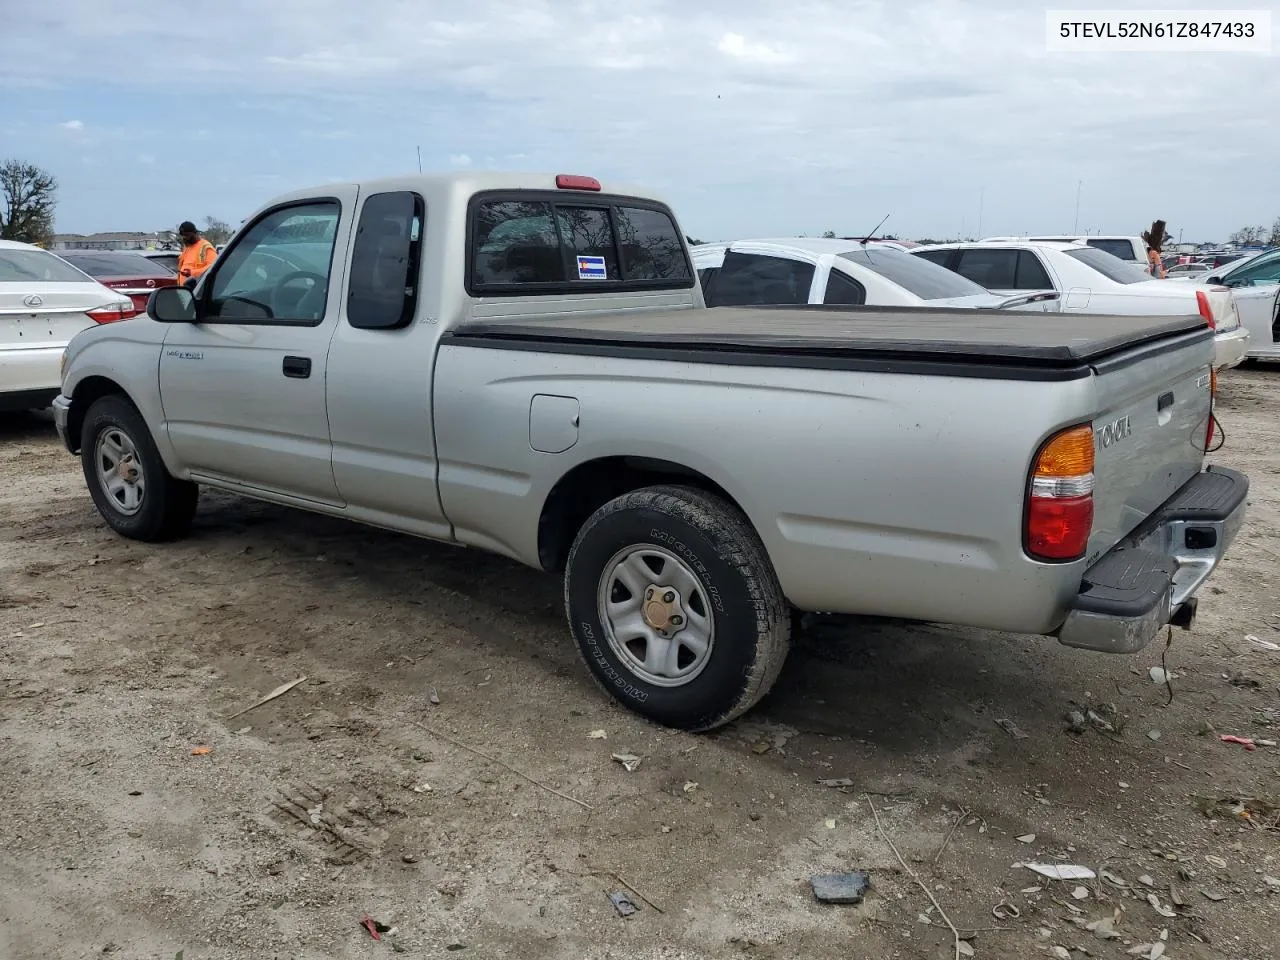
point(1060, 498)
point(113, 312)
point(1206, 311)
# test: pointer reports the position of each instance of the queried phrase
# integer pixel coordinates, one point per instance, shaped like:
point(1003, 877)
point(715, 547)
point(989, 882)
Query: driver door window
point(278, 272)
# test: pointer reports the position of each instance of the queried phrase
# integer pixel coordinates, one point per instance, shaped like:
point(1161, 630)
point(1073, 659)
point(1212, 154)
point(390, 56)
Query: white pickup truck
point(524, 364)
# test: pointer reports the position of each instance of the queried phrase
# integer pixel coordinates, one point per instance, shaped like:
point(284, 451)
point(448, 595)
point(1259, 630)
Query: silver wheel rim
point(115, 458)
point(656, 615)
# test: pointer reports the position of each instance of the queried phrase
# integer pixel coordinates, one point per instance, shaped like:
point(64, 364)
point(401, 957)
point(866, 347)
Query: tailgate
point(1149, 434)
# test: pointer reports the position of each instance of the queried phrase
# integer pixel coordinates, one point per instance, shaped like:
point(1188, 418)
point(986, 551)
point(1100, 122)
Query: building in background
point(156, 240)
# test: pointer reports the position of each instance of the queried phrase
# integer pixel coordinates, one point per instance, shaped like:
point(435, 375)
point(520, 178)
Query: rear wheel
point(129, 483)
point(675, 607)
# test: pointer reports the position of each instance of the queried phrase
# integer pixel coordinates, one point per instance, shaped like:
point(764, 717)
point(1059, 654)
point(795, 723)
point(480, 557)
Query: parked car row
point(1034, 275)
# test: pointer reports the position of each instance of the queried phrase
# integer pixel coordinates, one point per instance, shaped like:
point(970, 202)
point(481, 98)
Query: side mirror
point(172, 305)
point(1213, 279)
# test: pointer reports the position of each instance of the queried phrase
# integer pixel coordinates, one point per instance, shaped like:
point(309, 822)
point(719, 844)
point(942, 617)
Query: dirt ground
point(356, 794)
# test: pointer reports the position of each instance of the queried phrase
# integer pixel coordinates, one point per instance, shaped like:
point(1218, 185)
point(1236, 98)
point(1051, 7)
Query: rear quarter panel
point(876, 493)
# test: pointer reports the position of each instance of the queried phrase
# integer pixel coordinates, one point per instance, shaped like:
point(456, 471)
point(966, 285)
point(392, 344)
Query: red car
point(130, 273)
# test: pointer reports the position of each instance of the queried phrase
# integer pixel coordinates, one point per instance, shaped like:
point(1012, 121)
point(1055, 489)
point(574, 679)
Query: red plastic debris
point(1246, 742)
point(371, 927)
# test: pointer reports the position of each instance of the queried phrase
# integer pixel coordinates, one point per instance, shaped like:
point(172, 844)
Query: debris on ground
point(1263, 644)
point(765, 735)
point(422, 788)
point(597, 735)
point(848, 887)
point(433, 698)
point(964, 948)
point(1011, 728)
point(837, 783)
point(1153, 734)
point(690, 786)
point(201, 751)
point(1062, 953)
point(1243, 680)
point(376, 928)
point(622, 903)
point(830, 824)
point(1061, 871)
point(279, 691)
point(1005, 911)
point(1261, 813)
point(1105, 927)
point(1215, 861)
point(1160, 908)
point(1213, 895)
point(1246, 742)
point(629, 761)
point(1080, 893)
point(1026, 838)
point(1076, 722)
point(1205, 728)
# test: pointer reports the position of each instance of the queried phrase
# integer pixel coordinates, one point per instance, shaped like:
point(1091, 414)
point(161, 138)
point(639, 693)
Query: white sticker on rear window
point(592, 268)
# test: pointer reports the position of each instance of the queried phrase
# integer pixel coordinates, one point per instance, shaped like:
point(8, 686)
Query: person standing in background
point(197, 254)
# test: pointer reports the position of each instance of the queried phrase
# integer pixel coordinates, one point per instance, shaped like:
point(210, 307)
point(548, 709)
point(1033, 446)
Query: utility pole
point(1075, 226)
point(419, 159)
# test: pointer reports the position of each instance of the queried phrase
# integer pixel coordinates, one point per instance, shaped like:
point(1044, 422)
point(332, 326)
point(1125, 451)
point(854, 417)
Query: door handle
point(297, 367)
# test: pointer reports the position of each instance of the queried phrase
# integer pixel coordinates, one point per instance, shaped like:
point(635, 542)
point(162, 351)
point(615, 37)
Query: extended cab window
point(385, 261)
point(751, 279)
point(570, 244)
point(1031, 274)
point(278, 271)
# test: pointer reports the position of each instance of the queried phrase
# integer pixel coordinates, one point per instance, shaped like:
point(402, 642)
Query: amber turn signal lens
point(1069, 454)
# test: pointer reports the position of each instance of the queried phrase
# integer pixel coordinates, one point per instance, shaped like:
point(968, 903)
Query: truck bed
point(974, 342)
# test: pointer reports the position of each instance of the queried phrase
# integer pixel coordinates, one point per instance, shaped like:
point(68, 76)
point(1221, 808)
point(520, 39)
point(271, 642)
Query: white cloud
point(459, 160)
point(753, 116)
point(75, 125)
point(737, 46)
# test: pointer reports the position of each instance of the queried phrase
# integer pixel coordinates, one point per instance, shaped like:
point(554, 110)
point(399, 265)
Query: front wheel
point(129, 483)
point(675, 606)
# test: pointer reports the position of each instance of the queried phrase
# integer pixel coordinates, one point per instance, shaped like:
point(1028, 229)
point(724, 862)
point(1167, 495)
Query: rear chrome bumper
point(61, 414)
point(1149, 579)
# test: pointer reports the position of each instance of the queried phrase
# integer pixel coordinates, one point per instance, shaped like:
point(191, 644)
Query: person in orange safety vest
point(197, 254)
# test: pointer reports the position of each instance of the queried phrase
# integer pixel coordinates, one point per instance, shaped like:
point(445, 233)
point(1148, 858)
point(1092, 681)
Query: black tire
point(750, 616)
point(167, 504)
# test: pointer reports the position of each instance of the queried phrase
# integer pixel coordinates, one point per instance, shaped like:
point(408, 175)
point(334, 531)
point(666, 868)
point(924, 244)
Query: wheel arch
point(593, 483)
point(89, 390)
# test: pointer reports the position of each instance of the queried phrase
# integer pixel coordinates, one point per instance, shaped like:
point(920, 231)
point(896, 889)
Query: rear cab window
point(531, 243)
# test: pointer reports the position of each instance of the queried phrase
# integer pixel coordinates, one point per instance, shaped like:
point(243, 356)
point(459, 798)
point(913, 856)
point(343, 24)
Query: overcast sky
point(752, 117)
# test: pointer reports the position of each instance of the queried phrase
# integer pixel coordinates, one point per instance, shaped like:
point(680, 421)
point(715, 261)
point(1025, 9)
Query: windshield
point(116, 265)
point(1113, 268)
point(36, 266)
point(926, 280)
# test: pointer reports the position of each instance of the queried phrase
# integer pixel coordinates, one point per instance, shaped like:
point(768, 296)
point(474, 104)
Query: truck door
point(381, 367)
point(243, 389)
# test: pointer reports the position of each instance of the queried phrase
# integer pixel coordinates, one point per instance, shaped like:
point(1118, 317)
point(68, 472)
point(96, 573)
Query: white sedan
point(44, 302)
point(1254, 283)
point(806, 271)
point(1092, 281)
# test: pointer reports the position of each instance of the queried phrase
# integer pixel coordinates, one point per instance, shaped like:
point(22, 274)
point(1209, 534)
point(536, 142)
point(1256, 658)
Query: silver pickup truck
point(524, 364)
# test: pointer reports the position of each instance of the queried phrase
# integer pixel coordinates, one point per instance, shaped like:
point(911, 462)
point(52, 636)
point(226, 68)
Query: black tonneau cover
point(1048, 345)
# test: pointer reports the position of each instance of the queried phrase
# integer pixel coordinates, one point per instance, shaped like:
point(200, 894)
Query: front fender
point(124, 358)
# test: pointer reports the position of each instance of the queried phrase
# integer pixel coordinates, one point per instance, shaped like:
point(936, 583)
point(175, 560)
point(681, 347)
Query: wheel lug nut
point(677, 619)
point(669, 597)
point(648, 594)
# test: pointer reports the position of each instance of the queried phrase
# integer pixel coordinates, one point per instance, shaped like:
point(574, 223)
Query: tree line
point(29, 196)
point(1254, 236)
